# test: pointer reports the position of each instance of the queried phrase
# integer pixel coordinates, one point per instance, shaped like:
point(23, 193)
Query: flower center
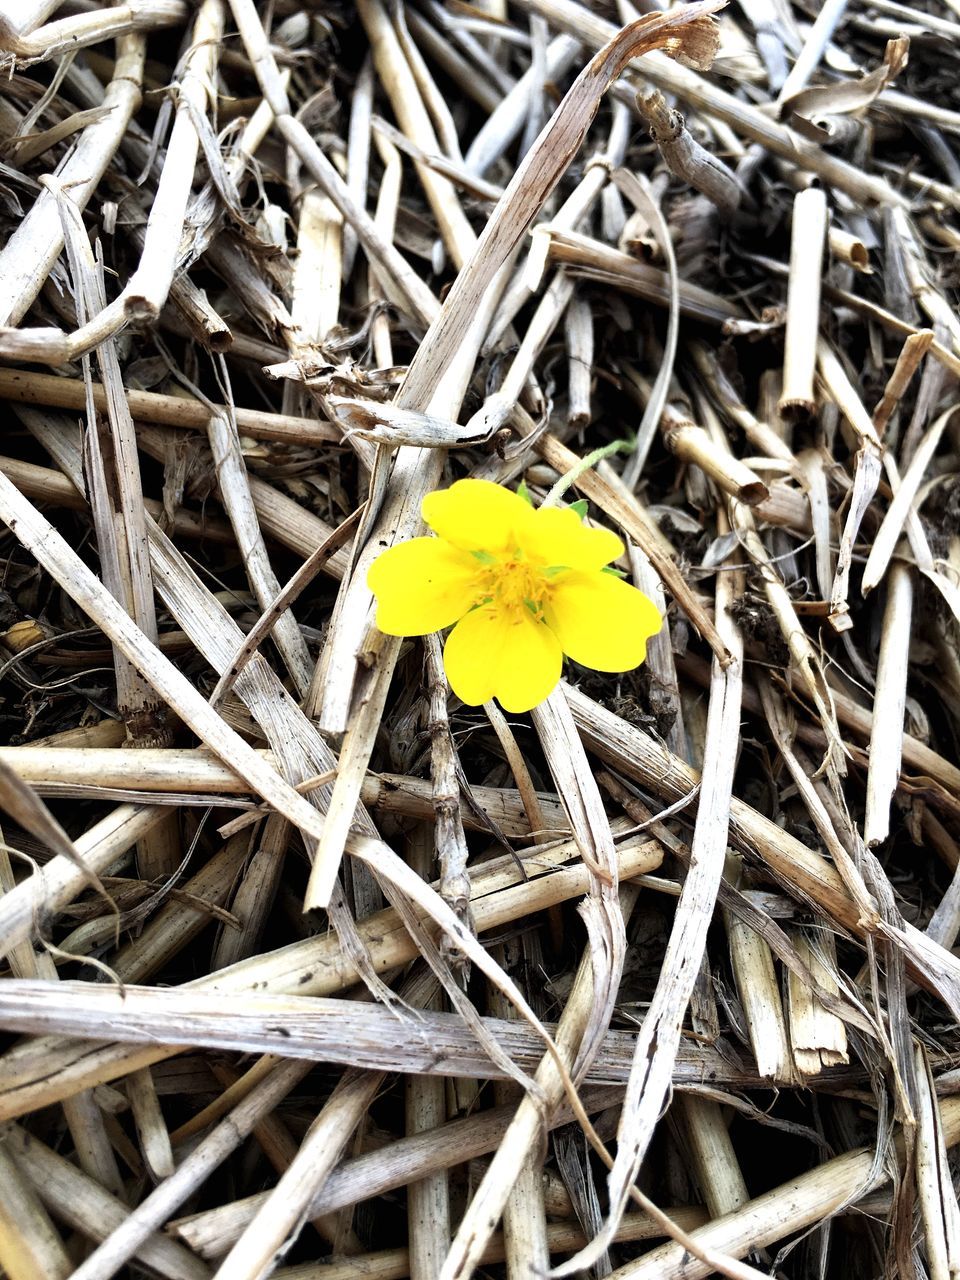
point(513, 582)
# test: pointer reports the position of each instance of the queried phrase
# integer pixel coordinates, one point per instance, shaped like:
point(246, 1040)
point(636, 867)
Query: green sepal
point(484, 557)
point(524, 493)
point(617, 573)
point(580, 507)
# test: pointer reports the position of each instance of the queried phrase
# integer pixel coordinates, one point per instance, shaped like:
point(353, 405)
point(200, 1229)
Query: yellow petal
point(507, 655)
point(601, 621)
point(477, 515)
point(558, 536)
point(421, 586)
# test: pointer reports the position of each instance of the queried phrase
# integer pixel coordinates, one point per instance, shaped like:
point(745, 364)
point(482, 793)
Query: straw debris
point(308, 969)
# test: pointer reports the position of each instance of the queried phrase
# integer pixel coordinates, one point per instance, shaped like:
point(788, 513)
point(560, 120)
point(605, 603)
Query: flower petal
point(558, 536)
point(422, 585)
point(506, 654)
point(601, 621)
point(477, 515)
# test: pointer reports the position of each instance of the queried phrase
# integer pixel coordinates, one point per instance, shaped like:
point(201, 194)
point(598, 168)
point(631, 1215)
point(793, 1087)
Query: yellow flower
point(524, 586)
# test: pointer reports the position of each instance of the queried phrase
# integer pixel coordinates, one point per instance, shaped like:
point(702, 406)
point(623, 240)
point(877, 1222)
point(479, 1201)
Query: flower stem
point(573, 475)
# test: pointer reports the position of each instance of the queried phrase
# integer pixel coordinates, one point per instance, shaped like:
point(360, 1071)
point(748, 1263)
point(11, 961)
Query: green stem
point(573, 475)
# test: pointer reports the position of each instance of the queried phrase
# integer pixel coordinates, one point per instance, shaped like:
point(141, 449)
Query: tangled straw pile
point(315, 971)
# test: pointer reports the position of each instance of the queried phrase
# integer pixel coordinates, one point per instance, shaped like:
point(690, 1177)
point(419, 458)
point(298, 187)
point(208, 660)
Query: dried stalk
point(400, 84)
point(914, 349)
point(28, 256)
point(29, 387)
point(328, 967)
point(849, 249)
point(371, 1174)
point(64, 565)
point(578, 332)
point(507, 118)
point(785, 1210)
point(186, 772)
point(316, 279)
point(902, 505)
point(286, 1208)
point(660, 1033)
point(81, 1203)
point(451, 844)
point(807, 242)
point(749, 122)
point(396, 1264)
point(19, 17)
point(65, 35)
point(887, 734)
point(524, 1213)
point(714, 1159)
point(148, 1118)
point(818, 1037)
point(592, 260)
point(759, 991)
point(238, 503)
point(30, 1248)
point(425, 1109)
point(402, 283)
point(693, 445)
point(760, 434)
point(686, 158)
point(26, 910)
point(828, 17)
point(938, 1199)
point(146, 290)
point(128, 1232)
point(866, 473)
point(488, 1203)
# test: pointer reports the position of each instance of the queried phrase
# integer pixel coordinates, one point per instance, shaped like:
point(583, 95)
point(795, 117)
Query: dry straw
point(314, 970)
